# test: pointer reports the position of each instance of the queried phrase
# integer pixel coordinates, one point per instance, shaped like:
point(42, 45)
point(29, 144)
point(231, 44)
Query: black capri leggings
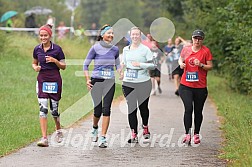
point(194, 100)
point(137, 95)
point(102, 94)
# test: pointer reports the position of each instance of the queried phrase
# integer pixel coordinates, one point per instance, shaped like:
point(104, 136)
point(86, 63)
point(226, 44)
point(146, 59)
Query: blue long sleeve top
point(106, 59)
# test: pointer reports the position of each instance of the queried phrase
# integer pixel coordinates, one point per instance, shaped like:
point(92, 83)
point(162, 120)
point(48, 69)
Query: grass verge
point(236, 109)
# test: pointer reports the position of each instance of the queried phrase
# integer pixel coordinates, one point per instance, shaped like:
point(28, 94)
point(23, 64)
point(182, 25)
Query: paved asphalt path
point(163, 149)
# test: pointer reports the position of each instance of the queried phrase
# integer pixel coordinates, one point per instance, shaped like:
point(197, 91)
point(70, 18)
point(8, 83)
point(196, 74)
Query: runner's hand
point(37, 68)
point(89, 85)
point(136, 64)
point(196, 62)
point(50, 59)
point(182, 65)
point(121, 75)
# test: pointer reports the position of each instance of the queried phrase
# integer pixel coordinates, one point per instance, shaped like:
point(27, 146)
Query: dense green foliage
point(122, 11)
point(227, 25)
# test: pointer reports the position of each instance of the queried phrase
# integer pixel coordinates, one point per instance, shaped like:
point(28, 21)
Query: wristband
point(202, 65)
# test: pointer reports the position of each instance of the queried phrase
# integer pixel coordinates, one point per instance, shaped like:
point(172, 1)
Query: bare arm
point(61, 64)
point(208, 66)
point(183, 40)
point(88, 81)
point(35, 65)
point(181, 63)
point(121, 74)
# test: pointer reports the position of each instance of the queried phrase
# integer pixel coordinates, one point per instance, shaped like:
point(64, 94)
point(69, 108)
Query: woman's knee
point(106, 111)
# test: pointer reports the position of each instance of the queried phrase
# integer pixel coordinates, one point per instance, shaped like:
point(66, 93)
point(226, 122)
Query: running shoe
point(153, 92)
point(133, 138)
point(146, 133)
point(59, 137)
point(177, 92)
point(187, 139)
point(95, 134)
point(170, 78)
point(103, 142)
point(43, 142)
point(196, 138)
point(159, 90)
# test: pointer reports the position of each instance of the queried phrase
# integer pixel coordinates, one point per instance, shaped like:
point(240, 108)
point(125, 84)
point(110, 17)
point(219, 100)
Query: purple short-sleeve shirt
point(55, 51)
point(49, 71)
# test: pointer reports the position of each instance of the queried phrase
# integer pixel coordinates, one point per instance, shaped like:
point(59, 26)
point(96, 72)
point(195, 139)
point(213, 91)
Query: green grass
point(236, 110)
point(19, 119)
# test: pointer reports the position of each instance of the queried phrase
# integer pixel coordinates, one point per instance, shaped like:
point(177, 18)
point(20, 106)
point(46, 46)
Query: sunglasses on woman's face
point(198, 38)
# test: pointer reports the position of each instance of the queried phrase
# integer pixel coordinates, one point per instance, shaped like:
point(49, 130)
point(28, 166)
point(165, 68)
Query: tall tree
point(151, 10)
point(227, 25)
point(175, 8)
point(124, 9)
point(176, 13)
point(90, 12)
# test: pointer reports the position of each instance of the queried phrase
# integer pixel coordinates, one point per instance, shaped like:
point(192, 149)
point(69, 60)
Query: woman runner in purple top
point(102, 82)
point(48, 59)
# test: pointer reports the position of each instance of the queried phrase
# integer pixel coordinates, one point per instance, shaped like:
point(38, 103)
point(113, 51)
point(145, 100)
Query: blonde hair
point(136, 28)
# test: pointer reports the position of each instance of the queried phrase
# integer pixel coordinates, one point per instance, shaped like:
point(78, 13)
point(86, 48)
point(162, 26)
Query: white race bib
point(50, 87)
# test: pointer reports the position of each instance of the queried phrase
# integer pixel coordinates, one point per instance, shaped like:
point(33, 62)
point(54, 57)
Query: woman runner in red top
point(196, 60)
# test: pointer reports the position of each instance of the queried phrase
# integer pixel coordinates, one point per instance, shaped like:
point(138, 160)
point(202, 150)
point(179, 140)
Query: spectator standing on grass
point(50, 20)
point(93, 33)
point(10, 24)
point(62, 30)
point(30, 22)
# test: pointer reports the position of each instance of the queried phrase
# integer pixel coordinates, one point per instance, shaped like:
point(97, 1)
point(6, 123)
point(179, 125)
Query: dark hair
point(99, 37)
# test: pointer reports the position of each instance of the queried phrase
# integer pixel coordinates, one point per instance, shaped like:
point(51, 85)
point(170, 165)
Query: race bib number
point(192, 76)
point(106, 73)
point(131, 74)
point(50, 87)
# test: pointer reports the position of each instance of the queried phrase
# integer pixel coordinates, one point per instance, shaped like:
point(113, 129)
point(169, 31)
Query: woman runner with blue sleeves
point(102, 81)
